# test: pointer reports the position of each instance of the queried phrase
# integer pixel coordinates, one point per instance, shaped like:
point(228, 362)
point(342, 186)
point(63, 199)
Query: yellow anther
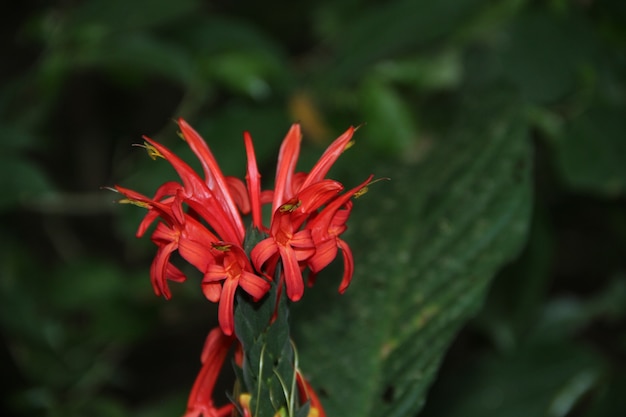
point(221, 247)
point(349, 145)
point(244, 400)
point(153, 152)
point(361, 192)
point(137, 203)
point(366, 187)
point(289, 207)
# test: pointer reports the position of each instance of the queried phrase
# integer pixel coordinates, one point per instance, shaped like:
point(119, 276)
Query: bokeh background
point(82, 333)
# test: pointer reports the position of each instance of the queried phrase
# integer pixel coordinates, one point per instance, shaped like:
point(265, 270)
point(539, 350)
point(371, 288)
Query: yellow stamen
point(289, 207)
point(137, 203)
point(221, 248)
point(244, 400)
point(349, 145)
point(153, 152)
point(365, 189)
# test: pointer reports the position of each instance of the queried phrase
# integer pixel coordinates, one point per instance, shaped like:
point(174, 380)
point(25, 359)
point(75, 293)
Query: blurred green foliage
point(502, 126)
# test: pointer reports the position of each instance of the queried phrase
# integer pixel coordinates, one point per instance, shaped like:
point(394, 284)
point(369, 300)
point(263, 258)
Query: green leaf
point(391, 126)
point(137, 14)
point(536, 380)
point(21, 180)
point(546, 54)
point(394, 28)
point(431, 241)
point(591, 152)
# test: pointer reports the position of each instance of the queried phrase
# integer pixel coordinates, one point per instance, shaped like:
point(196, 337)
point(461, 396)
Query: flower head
point(201, 217)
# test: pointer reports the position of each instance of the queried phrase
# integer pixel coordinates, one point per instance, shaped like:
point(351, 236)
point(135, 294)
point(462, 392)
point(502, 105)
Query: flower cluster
point(309, 215)
point(202, 217)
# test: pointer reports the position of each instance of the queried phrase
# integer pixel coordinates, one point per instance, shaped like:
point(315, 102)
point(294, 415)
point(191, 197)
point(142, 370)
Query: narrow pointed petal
point(328, 159)
point(253, 179)
point(215, 179)
point(323, 220)
point(287, 160)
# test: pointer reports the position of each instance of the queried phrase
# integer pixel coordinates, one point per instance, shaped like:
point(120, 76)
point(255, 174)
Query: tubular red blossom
point(292, 246)
point(307, 393)
point(233, 267)
point(325, 230)
point(195, 191)
point(200, 403)
point(198, 215)
point(214, 178)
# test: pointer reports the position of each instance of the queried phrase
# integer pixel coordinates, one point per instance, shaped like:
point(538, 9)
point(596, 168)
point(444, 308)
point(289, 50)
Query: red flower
point(307, 393)
point(200, 401)
point(325, 230)
point(201, 218)
point(233, 267)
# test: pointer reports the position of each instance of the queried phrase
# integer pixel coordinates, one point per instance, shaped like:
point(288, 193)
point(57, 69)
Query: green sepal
point(268, 368)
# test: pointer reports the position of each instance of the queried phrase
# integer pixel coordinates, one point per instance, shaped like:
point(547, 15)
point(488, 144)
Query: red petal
point(158, 270)
point(253, 179)
point(239, 192)
point(325, 253)
point(214, 178)
point(348, 265)
point(293, 274)
point(253, 284)
point(213, 356)
point(214, 273)
point(212, 290)
point(262, 252)
point(329, 157)
point(225, 310)
point(287, 159)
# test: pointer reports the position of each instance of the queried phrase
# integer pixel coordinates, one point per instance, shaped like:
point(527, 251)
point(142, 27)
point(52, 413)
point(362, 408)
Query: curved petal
point(253, 284)
point(293, 274)
point(239, 192)
point(262, 252)
point(212, 290)
point(325, 253)
point(214, 354)
point(158, 269)
point(214, 273)
point(348, 265)
point(225, 309)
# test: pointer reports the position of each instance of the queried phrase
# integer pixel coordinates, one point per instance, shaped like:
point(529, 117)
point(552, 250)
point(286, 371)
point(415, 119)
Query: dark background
point(81, 81)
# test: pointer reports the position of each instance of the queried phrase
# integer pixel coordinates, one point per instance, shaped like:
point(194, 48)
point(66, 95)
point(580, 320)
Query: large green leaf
point(440, 231)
